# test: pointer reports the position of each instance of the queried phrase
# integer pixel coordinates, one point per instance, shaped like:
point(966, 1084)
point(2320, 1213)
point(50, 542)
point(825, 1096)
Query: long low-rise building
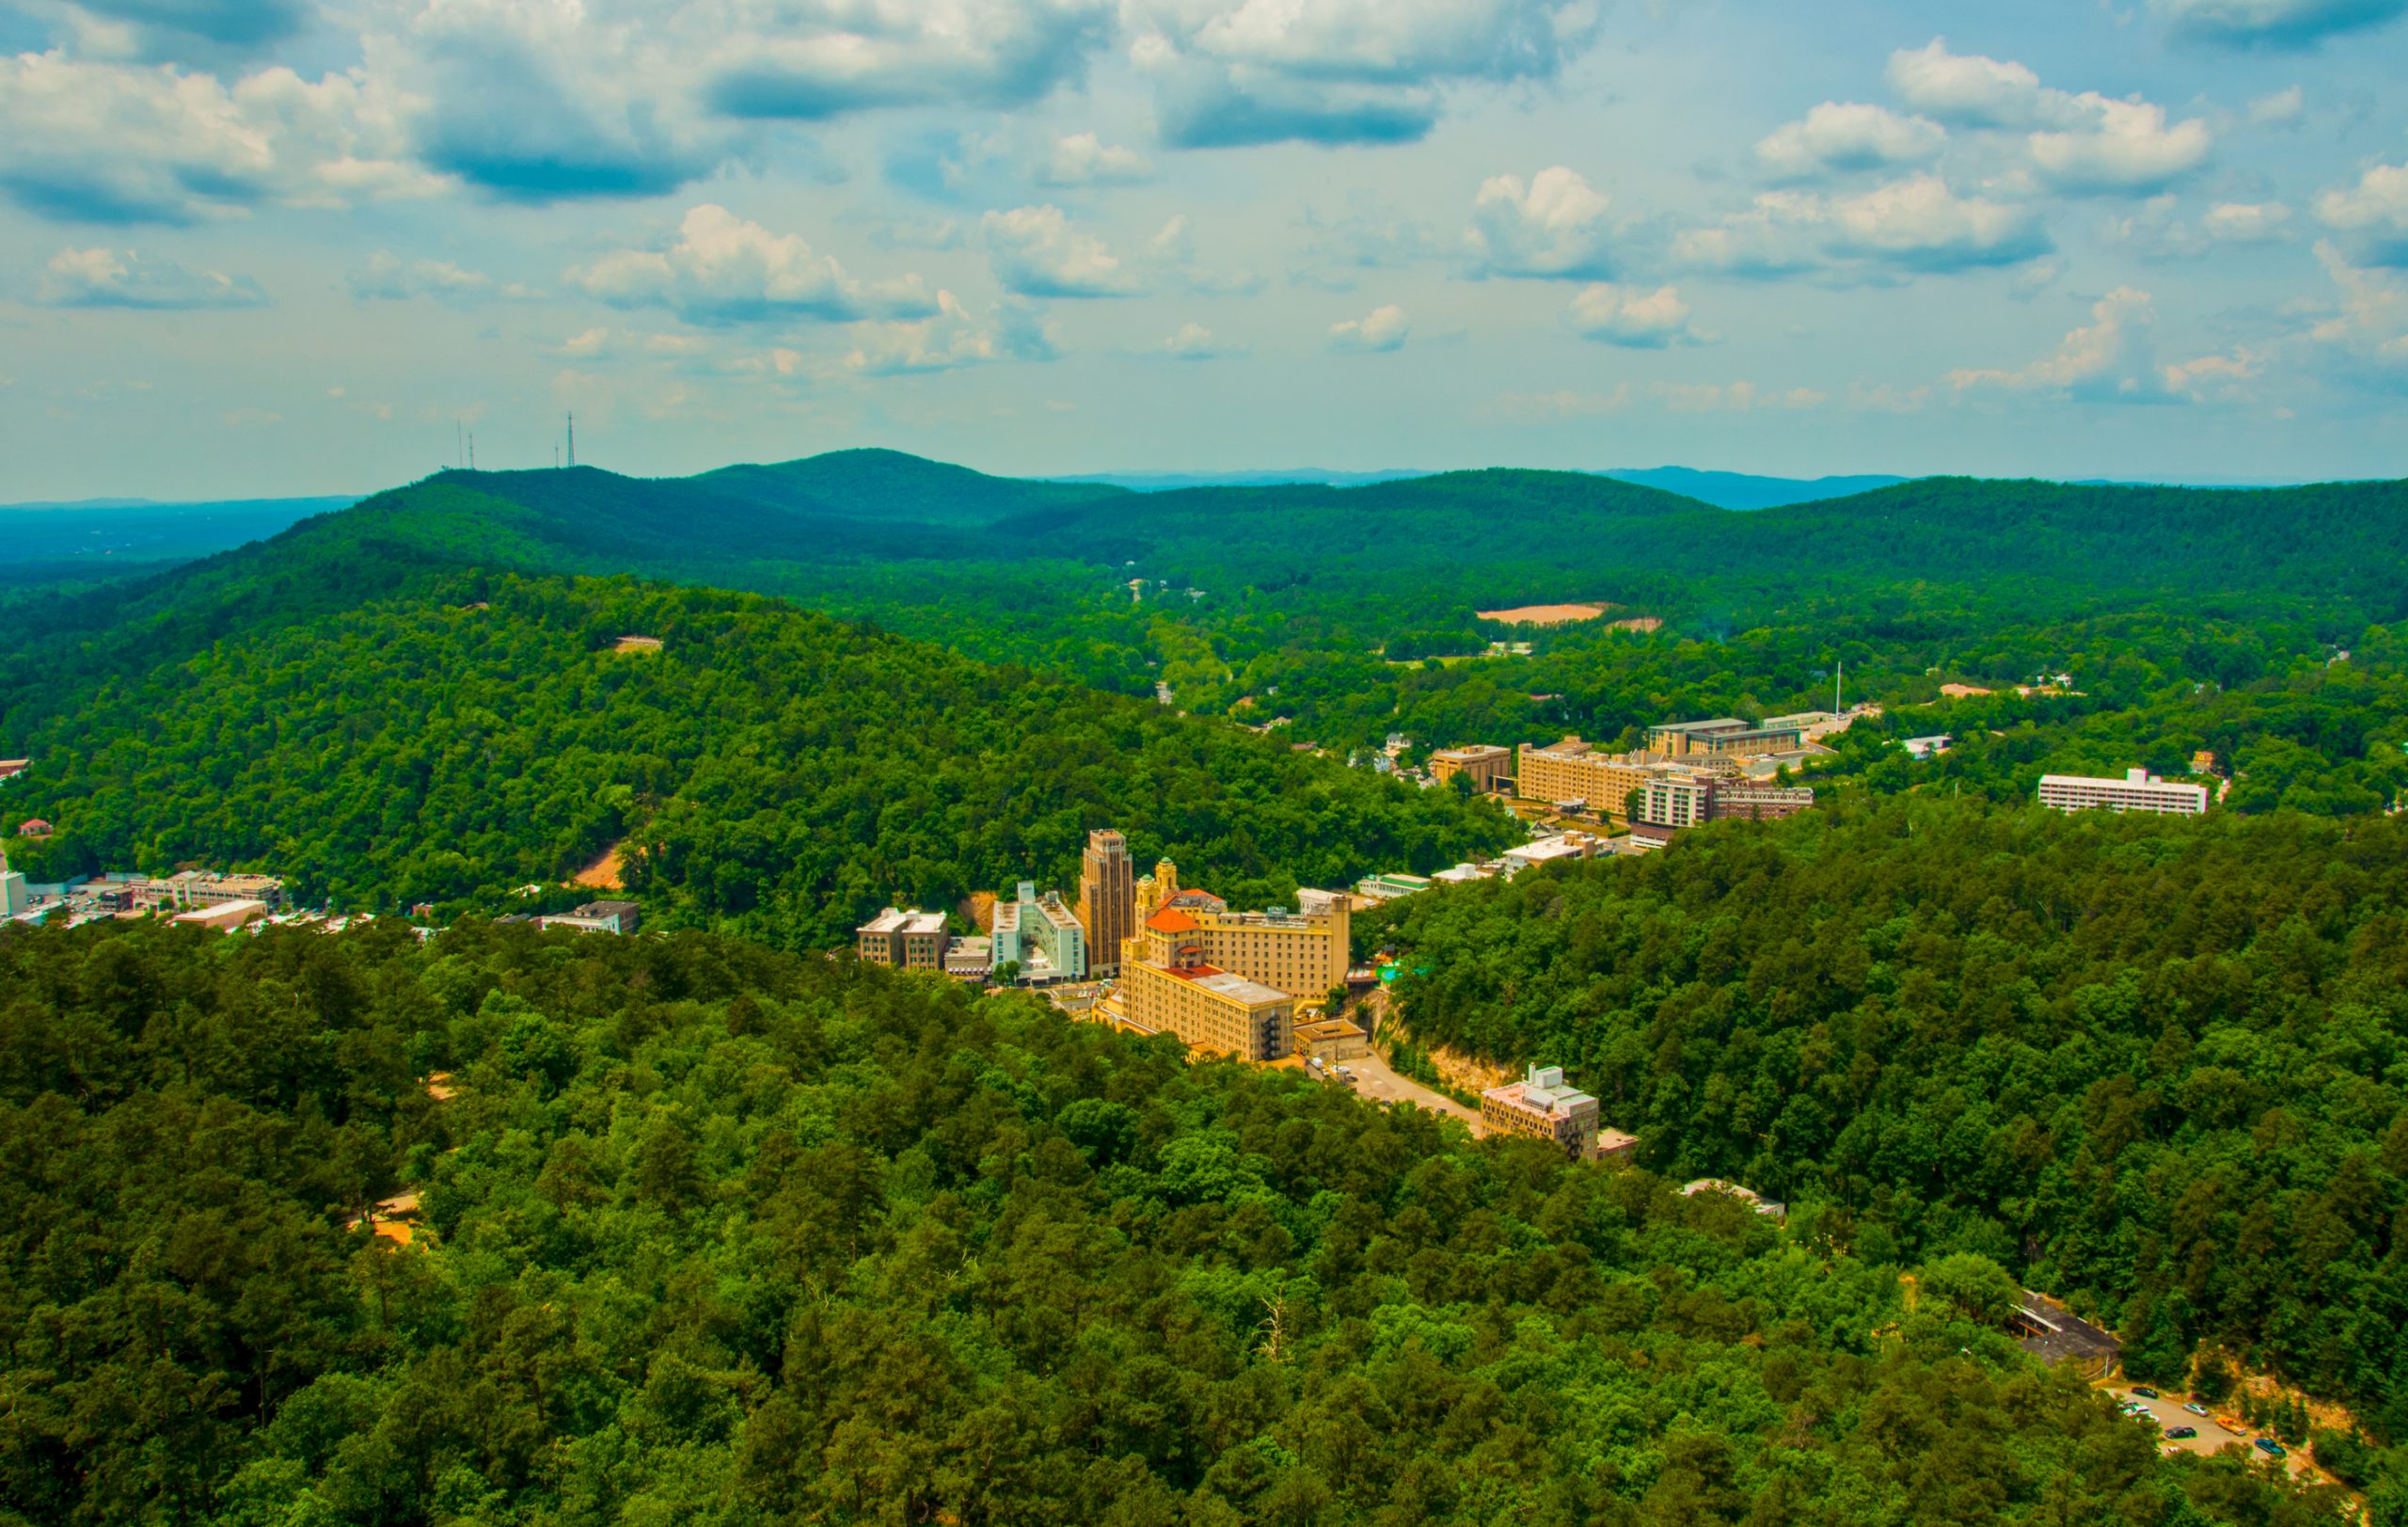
point(1725, 736)
point(191, 889)
point(2138, 790)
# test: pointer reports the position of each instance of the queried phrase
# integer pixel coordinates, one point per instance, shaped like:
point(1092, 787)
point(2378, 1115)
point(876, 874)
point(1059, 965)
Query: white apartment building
point(2138, 790)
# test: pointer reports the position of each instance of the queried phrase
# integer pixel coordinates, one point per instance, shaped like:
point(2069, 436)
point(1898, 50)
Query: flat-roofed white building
point(2138, 790)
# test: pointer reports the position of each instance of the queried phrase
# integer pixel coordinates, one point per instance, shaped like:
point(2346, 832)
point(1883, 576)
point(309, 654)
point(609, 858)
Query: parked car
point(2196, 1408)
point(2141, 1392)
point(2271, 1448)
point(2176, 1434)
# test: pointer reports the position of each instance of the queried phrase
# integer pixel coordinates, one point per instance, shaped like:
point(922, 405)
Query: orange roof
point(1172, 920)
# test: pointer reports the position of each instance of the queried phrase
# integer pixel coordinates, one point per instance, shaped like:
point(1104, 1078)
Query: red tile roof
point(1172, 920)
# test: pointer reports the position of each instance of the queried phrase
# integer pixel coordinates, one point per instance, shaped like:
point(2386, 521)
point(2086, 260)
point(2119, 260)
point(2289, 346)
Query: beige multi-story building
point(1167, 985)
point(2138, 790)
point(1725, 736)
point(1575, 770)
point(1107, 899)
point(1543, 1107)
point(1491, 768)
point(906, 939)
point(1170, 969)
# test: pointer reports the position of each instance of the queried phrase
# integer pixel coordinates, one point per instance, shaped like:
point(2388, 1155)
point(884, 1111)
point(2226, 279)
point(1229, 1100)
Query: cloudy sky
point(283, 247)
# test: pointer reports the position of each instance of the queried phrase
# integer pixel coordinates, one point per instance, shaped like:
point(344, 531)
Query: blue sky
point(279, 247)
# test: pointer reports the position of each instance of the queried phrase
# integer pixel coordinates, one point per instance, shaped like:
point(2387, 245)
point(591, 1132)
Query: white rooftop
point(1241, 987)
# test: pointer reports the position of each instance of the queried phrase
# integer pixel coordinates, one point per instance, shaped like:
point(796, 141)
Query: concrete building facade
point(2138, 790)
point(905, 939)
point(1541, 1106)
point(1724, 736)
point(1491, 768)
point(1168, 985)
point(1107, 899)
point(190, 888)
point(1041, 935)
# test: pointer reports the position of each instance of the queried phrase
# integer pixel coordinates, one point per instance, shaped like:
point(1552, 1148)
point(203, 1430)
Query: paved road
point(2168, 1411)
point(1374, 1080)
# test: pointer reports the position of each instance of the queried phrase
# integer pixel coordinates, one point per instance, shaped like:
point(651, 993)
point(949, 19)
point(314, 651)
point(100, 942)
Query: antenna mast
point(472, 450)
point(572, 436)
point(1839, 671)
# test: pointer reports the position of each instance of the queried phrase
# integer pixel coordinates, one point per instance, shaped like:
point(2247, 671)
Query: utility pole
point(1839, 673)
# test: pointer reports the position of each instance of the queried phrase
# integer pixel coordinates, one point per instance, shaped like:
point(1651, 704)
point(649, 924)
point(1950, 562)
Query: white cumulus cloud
point(722, 269)
point(2119, 147)
point(109, 142)
point(1632, 318)
point(1383, 329)
point(1037, 253)
point(102, 277)
point(1840, 138)
point(951, 338)
point(2374, 213)
point(1916, 224)
point(2113, 359)
point(2077, 144)
point(1085, 159)
point(1239, 71)
point(1552, 226)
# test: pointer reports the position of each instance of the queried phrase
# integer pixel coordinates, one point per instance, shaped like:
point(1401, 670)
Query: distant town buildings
point(1543, 1106)
point(2138, 790)
point(1107, 899)
point(904, 939)
point(597, 917)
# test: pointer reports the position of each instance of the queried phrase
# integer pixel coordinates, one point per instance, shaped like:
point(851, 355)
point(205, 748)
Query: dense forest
point(2158, 1066)
point(712, 1235)
point(773, 773)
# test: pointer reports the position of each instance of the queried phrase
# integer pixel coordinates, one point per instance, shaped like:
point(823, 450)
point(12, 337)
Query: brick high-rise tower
point(1107, 899)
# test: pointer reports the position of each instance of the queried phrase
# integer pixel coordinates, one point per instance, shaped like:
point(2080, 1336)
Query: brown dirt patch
point(604, 873)
point(636, 644)
point(1545, 615)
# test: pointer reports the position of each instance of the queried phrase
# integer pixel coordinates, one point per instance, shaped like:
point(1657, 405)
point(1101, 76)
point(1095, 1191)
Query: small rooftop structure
point(1928, 747)
point(11, 768)
point(597, 917)
point(1748, 1196)
point(2055, 1334)
point(34, 827)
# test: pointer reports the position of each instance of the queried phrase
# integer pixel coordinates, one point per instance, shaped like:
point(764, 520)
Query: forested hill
point(1504, 534)
point(2159, 1065)
point(705, 1235)
point(773, 771)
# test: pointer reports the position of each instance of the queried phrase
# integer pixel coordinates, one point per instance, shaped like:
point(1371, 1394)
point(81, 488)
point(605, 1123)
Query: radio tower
point(472, 450)
point(572, 436)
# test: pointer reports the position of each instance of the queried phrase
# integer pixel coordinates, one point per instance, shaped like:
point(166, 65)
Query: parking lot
point(2167, 1410)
